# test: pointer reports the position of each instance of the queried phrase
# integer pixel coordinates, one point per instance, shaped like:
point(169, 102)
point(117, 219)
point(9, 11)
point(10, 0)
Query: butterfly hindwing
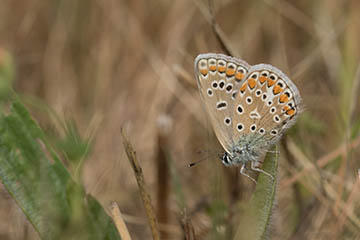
point(269, 102)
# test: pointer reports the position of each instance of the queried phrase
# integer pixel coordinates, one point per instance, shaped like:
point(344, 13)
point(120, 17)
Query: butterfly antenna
point(219, 153)
point(195, 163)
point(202, 151)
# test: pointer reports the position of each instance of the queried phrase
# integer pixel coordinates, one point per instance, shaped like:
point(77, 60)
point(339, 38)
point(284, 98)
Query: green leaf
point(6, 74)
point(56, 206)
point(255, 219)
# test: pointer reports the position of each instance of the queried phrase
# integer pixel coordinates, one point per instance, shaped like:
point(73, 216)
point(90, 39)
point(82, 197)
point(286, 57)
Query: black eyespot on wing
point(240, 127)
point(249, 100)
point(273, 132)
point(234, 94)
point(227, 121)
point(221, 105)
point(221, 84)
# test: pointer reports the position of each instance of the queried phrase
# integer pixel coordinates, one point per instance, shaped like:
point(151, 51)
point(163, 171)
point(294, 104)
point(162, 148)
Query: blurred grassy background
point(87, 68)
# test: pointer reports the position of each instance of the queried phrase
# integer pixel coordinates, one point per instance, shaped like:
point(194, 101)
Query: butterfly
point(249, 107)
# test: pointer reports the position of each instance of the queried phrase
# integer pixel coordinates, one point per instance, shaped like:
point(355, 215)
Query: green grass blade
point(255, 220)
point(56, 206)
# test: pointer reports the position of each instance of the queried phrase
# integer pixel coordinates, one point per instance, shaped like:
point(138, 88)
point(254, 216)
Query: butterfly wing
point(219, 77)
point(267, 104)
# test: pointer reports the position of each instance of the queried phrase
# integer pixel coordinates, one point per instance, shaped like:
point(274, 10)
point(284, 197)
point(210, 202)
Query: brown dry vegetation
point(111, 64)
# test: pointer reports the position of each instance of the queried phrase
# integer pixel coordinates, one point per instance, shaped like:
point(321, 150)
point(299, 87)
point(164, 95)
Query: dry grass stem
point(145, 197)
point(119, 221)
point(321, 162)
point(171, 229)
point(188, 228)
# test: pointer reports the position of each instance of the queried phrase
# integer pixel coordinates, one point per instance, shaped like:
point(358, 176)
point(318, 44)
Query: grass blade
point(255, 220)
point(56, 206)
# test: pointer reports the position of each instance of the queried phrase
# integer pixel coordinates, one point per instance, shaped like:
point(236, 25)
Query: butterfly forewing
point(219, 78)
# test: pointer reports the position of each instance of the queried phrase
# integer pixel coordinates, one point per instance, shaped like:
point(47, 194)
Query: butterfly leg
point(255, 168)
point(275, 152)
point(242, 171)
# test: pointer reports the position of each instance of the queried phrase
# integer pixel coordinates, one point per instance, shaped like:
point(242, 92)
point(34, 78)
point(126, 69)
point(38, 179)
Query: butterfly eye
point(226, 159)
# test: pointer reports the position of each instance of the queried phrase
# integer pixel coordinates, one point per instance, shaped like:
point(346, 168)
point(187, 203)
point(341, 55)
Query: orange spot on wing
point(284, 98)
point(290, 111)
point(239, 76)
point(243, 88)
point(212, 68)
point(252, 83)
point(277, 89)
point(221, 69)
point(262, 79)
point(230, 72)
point(270, 82)
point(204, 71)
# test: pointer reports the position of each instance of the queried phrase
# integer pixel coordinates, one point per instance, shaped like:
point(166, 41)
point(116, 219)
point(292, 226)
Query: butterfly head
point(240, 155)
